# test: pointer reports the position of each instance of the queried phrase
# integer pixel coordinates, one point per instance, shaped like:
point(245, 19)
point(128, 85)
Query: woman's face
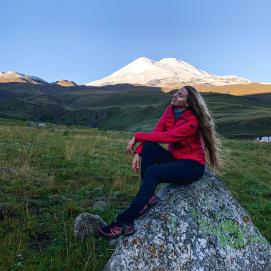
point(179, 99)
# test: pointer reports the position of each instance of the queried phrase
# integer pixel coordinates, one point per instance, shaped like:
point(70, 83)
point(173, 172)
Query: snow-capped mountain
point(164, 73)
point(11, 76)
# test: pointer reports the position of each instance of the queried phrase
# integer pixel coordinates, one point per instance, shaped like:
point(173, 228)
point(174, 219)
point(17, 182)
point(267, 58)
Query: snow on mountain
point(165, 72)
point(11, 76)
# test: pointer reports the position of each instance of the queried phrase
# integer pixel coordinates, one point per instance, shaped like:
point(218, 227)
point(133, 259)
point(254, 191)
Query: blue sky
point(84, 40)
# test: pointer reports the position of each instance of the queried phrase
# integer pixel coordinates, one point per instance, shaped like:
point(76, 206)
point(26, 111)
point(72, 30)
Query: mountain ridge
point(12, 76)
point(166, 71)
point(167, 74)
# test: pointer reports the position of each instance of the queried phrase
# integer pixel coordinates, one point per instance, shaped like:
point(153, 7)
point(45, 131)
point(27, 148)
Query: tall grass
point(48, 177)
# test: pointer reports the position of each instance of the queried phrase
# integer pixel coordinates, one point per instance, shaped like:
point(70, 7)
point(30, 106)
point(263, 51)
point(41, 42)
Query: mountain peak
point(10, 73)
point(16, 77)
point(169, 60)
point(174, 62)
point(65, 83)
point(143, 60)
point(165, 73)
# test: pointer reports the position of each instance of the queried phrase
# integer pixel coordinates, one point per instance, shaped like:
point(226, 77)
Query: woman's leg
point(153, 153)
point(177, 171)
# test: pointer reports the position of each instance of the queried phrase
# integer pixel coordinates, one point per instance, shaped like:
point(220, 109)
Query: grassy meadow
point(50, 175)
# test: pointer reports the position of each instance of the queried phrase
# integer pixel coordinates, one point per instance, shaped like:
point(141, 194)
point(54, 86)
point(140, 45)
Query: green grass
point(48, 177)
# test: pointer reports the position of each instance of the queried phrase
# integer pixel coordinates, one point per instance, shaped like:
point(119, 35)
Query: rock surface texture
point(87, 224)
point(195, 227)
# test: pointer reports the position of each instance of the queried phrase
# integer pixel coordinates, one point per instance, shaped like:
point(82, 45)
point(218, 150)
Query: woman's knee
point(148, 145)
point(151, 171)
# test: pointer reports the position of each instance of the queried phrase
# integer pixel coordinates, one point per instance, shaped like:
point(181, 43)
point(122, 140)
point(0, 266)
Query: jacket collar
point(187, 112)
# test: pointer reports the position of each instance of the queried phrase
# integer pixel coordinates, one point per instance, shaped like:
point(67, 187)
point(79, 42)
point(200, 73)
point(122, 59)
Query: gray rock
point(99, 205)
point(98, 190)
point(37, 124)
point(195, 227)
point(114, 242)
point(42, 125)
point(32, 123)
point(116, 195)
point(86, 224)
point(8, 170)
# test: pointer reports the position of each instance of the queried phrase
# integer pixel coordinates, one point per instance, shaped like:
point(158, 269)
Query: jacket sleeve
point(173, 135)
point(159, 127)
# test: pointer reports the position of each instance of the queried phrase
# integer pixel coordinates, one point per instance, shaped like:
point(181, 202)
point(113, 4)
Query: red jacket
point(181, 134)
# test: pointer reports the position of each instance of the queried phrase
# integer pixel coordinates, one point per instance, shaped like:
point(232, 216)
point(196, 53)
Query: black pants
point(158, 166)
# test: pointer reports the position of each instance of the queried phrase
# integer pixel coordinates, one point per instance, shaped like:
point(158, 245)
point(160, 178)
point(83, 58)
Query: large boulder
point(195, 227)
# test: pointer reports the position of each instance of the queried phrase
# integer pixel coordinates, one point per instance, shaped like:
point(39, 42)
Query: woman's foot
point(115, 229)
point(152, 201)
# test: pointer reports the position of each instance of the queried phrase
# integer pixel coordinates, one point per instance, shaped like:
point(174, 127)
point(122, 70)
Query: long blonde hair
point(206, 128)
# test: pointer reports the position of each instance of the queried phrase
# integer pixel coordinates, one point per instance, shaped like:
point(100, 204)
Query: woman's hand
point(130, 146)
point(136, 163)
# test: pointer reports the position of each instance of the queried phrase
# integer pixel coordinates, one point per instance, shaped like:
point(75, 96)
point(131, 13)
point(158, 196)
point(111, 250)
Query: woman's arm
point(159, 127)
point(173, 135)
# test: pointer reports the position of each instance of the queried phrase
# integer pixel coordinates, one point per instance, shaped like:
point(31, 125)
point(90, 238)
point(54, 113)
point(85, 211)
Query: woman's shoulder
point(189, 114)
point(168, 110)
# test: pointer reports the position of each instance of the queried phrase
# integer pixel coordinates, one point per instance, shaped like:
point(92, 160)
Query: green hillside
point(127, 107)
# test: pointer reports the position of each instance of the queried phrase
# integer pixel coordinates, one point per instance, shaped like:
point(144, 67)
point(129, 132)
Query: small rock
point(98, 190)
point(116, 195)
point(32, 124)
point(114, 242)
point(36, 124)
point(42, 125)
point(56, 199)
point(100, 205)
point(8, 170)
point(87, 224)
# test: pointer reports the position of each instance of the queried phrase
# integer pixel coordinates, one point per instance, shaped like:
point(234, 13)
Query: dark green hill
point(264, 98)
point(127, 107)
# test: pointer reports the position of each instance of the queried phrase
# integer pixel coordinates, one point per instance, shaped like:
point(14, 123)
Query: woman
point(188, 127)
